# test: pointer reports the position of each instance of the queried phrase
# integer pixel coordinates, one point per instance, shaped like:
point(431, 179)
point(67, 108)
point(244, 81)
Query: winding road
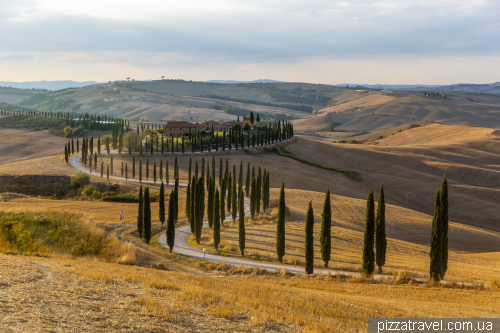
point(182, 233)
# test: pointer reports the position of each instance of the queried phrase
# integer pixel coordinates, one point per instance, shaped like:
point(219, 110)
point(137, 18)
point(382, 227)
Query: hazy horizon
point(392, 42)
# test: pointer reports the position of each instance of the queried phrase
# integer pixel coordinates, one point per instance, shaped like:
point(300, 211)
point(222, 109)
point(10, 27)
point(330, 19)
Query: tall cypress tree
point(147, 216)
point(160, 169)
point(369, 236)
point(436, 238)
point(102, 168)
point(162, 204)
point(171, 222)
point(326, 232)
point(140, 171)
point(223, 201)
point(253, 197)
point(258, 193)
point(216, 222)
point(176, 199)
point(188, 202)
point(229, 193)
point(133, 167)
point(126, 171)
point(234, 199)
point(210, 202)
point(444, 227)
point(147, 168)
point(154, 172)
point(241, 225)
point(166, 173)
point(309, 251)
point(192, 214)
point(240, 174)
point(140, 217)
point(199, 213)
point(247, 182)
point(280, 232)
point(380, 237)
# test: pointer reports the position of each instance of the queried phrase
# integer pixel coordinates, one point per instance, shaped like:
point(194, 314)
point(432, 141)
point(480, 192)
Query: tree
point(147, 216)
point(444, 227)
point(210, 202)
point(380, 237)
point(199, 212)
point(253, 197)
point(258, 191)
point(241, 226)
point(247, 182)
point(223, 201)
point(368, 252)
point(189, 171)
point(140, 217)
point(234, 199)
point(309, 251)
point(133, 167)
point(216, 224)
point(171, 222)
point(176, 199)
point(240, 174)
point(229, 193)
point(154, 172)
point(162, 204)
point(280, 232)
point(192, 209)
point(258, 117)
point(436, 238)
point(251, 117)
point(326, 233)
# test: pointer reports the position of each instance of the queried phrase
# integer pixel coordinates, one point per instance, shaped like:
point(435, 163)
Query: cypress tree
point(122, 170)
point(229, 193)
point(147, 169)
point(102, 168)
point(226, 174)
point(241, 225)
point(133, 167)
point(309, 251)
point(188, 202)
point(247, 183)
point(436, 237)
point(147, 216)
point(240, 174)
point(444, 226)
point(380, 238)
point(66, 153)
point(326, 233)
point(220, 173)
point(189, 171)
point(196, 170)
point(203, 170)
point(216, 221)
point(99, 145)
point(162, 204)
point(198, 212)
point(234, 199)
point(171, 222)
point(223, 201)
point(140, 217)
point(154, 172)
point(107, 172)
point(253, 199)
point(208, 175)
point(192, 214)
point(111, 164)
point(72, 146)
point(140, 171)
point(258, 193)
point(160, 169)
point(176, 199)
point(368, 252)
point(210, 202)
point(280, 232)
point(126, 171)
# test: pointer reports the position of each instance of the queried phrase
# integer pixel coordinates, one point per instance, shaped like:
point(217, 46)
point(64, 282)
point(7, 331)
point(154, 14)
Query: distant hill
point(50, 85)
point(254, 81)
point(487, 88)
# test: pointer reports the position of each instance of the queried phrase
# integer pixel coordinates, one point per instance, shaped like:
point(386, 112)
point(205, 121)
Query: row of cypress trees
point(374, 235)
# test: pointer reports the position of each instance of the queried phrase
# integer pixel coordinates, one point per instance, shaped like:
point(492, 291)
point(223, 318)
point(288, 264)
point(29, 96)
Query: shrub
point(89, 190)
point(413, 126)
point(79, 180)
point(67, 129)
point(79, 130)
point(96, 194)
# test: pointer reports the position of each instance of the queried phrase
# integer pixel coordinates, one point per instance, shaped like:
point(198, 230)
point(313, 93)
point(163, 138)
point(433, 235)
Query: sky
point(317, 41)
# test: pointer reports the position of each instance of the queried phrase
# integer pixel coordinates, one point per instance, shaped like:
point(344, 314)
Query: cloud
point(18, 57)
